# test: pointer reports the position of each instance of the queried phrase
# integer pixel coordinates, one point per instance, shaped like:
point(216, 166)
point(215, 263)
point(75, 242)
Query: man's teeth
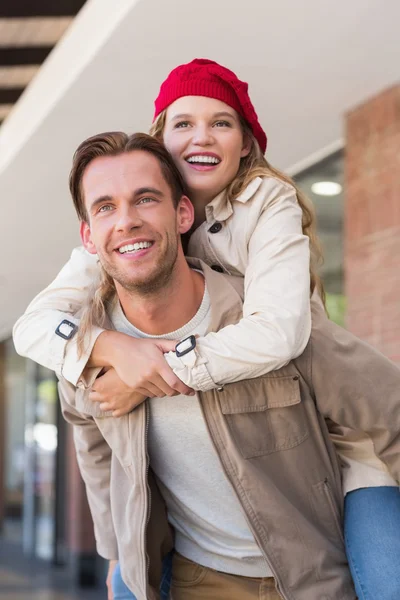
point(134, 247)
point(204, 159)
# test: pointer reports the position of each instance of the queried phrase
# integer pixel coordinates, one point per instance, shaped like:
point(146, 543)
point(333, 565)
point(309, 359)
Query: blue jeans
point(372, 535)
point(122, 592)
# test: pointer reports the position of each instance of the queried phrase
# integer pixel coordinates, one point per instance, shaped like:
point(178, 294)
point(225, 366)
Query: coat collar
point(220, 208)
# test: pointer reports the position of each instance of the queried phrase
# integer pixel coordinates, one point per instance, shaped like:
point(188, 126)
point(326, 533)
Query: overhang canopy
point(306, 62)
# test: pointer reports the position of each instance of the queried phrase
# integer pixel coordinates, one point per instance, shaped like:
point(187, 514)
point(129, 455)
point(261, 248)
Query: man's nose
point(128, 219)
point(202, 135)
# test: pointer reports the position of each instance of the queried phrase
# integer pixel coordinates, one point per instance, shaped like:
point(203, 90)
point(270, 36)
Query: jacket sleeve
point(357, 387)
point(276, 322)
point(94, 460)
point(34, 333)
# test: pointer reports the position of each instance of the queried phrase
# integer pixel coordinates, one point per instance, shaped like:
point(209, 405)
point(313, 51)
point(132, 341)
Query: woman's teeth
point(208, 160)
point(134, 247)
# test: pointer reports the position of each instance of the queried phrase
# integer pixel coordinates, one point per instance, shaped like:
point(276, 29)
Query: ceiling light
point(326, 188)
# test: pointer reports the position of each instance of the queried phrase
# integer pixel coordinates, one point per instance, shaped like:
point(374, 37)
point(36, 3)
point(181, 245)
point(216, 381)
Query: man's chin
point(142, 283)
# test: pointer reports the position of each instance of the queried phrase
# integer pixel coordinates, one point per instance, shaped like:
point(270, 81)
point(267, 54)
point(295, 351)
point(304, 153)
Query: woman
point(250, 221)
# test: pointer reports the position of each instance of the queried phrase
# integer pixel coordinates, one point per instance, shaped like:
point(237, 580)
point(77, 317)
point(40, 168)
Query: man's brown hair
point(114, 143)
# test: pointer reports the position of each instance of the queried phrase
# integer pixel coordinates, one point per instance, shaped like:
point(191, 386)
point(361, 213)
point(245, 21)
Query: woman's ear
point(246, 147)
point(86, 237)
point(185, 214)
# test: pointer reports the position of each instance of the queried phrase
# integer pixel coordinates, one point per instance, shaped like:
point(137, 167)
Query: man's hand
point(113, 394)
point(140, 364)
point(111, 566)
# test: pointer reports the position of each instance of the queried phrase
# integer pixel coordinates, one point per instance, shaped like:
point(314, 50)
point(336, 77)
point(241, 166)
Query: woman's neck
point(200, 202)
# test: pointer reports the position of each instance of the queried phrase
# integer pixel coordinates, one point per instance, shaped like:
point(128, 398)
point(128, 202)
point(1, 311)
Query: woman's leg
point(372, 535)
point(120, 590)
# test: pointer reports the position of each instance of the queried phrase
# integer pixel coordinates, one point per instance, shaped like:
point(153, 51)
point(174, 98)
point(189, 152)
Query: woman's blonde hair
point(256, 165)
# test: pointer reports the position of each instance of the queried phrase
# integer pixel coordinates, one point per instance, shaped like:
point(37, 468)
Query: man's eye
point(105, 208)
point(145, 200)
point(181, 124)
point(222, 124)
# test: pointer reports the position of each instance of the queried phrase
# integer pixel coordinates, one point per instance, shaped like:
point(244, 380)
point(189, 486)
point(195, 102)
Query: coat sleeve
point(357, 387)
point(34, 332)
point(276, 322)
point(94, 460)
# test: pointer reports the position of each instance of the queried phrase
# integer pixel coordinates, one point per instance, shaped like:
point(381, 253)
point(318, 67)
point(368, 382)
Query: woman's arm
point(144, 367)
point(35, 334)
point(276, 322)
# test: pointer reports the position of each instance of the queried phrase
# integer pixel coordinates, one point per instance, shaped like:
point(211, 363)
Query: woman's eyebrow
point(224, 113)
point(181, 116)
point(219, 114)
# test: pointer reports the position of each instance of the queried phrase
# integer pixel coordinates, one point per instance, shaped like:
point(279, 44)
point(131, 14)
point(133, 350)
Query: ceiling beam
point(10, 95)
point(24, 56)
point(43, 8)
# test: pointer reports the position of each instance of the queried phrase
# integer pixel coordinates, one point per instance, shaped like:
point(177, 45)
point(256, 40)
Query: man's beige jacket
point(272, 439)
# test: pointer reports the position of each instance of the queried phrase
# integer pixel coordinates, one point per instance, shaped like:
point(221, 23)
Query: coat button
point(215, 227)
point(217, 268)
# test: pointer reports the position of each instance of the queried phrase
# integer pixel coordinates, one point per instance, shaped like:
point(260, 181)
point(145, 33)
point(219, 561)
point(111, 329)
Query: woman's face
point(205, 138)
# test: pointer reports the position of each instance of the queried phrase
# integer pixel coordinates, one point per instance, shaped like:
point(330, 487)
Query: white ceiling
point(307, 63)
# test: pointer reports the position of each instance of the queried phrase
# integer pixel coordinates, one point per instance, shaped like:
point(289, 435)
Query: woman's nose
point(202, 136)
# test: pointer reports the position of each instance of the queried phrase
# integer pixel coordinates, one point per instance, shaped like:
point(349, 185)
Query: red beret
point(202, 77)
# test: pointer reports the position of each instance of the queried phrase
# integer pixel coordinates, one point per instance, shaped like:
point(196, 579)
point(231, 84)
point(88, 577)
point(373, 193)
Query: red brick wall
point(372, 221)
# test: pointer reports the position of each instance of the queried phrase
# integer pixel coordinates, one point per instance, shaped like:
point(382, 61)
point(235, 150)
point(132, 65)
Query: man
point(246, 475)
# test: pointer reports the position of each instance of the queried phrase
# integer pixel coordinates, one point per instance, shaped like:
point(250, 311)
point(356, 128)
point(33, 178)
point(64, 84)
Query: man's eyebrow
point(100, 200)
point(147, 190)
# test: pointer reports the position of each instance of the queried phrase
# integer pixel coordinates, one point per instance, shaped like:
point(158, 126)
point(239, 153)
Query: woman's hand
point(113, 394)
point(140, 364)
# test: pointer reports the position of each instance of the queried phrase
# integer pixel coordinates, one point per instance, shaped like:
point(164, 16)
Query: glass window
point(323, 184)
point(15, 372)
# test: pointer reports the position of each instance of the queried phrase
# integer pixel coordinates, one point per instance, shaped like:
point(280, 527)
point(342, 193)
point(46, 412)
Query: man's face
point(133, 224)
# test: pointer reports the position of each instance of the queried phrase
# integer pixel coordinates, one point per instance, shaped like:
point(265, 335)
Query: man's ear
point(246, 147)
point(86, 237)
point(185, 214)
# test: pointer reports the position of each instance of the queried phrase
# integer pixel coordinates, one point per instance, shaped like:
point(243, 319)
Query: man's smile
point(134, 248)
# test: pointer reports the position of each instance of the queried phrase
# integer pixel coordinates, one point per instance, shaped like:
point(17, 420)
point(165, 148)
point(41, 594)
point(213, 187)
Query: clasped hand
point(137, 370)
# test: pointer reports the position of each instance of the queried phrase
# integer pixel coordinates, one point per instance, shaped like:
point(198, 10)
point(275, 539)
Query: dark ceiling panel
point(40, 8)
point(10, 95)
point(23, 56)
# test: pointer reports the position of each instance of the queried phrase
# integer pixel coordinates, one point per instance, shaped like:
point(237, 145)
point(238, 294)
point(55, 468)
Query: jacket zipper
point(256, 537)
point(146, 431)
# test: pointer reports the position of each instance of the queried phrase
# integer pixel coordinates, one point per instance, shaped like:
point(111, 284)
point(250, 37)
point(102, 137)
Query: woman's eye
point(222, 124)
point(181, 124)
